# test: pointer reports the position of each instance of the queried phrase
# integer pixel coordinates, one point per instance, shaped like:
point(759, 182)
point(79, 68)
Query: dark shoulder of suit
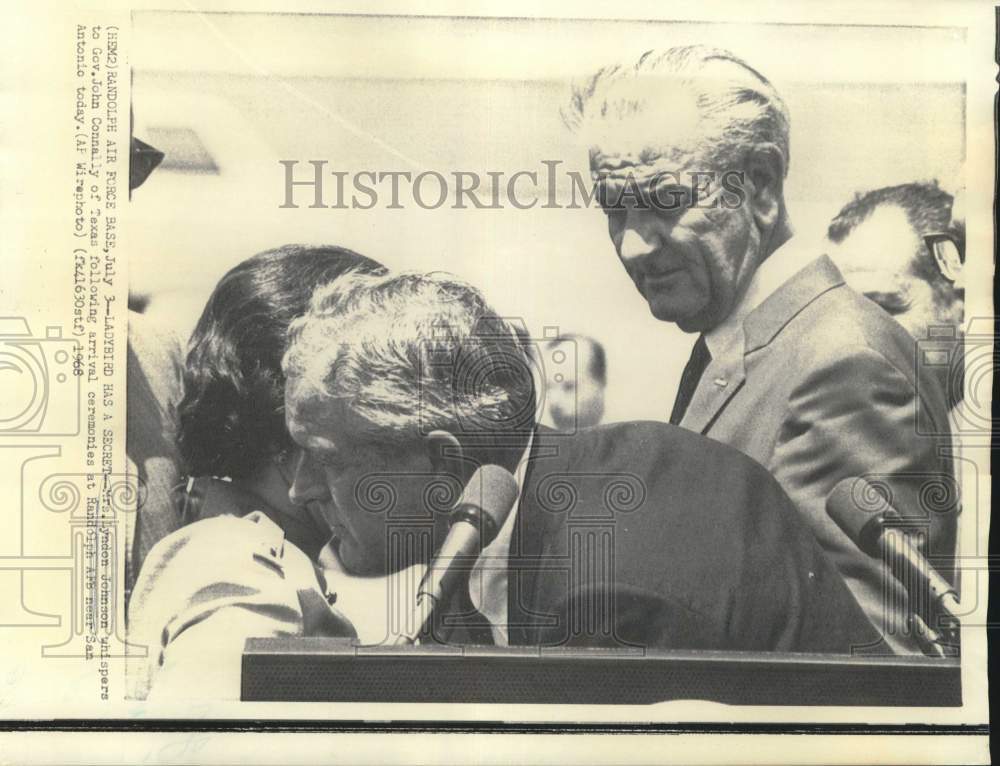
point(645, 534)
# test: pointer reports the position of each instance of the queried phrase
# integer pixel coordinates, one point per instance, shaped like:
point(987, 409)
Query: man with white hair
point(689, 150)
point(412, 379)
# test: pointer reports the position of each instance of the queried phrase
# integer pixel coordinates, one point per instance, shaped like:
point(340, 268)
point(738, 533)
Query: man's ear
point(445, 453)
point(766, 171)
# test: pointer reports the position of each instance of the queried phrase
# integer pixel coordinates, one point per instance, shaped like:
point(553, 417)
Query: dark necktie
point(693, 370)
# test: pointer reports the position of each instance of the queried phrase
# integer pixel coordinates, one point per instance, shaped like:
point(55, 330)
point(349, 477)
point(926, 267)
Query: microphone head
point(490, 496)
point(860, 509)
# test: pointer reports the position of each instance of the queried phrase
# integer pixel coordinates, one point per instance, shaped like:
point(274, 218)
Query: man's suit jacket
point(644, 534)
point(830, 387)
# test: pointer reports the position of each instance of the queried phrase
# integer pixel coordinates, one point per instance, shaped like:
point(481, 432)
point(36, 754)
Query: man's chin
point(685, 317)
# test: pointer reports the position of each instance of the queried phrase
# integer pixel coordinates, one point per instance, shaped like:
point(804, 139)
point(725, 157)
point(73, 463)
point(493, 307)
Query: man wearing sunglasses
point(689, 151)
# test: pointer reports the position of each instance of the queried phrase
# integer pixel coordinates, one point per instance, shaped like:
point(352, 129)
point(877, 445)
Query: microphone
point(475, 521)
point(880, 532)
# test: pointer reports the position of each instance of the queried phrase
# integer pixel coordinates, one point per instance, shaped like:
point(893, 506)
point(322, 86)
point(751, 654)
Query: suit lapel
point(719, 383)
point(724, 377)
point(767, 320)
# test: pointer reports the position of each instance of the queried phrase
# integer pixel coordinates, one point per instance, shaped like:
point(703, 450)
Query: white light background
point(388, 94)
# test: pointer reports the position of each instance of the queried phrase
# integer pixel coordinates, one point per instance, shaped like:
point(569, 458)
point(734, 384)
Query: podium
point(334, 670)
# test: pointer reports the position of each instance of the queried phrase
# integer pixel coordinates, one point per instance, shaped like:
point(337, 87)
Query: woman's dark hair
point(231, 416)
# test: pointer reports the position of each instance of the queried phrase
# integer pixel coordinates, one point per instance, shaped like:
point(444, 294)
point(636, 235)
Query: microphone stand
point(486, 500)
point(940, 602)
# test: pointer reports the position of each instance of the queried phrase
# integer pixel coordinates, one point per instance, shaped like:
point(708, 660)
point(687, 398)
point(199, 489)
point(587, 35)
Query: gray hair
point(412, 353)
point(738, 108)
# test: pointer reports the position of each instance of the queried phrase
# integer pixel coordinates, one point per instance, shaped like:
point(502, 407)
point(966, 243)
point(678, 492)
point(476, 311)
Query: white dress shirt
point(488, 580)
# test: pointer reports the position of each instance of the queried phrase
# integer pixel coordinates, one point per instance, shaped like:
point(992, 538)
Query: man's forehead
point(307, 409)
point(649, 124)
point(316, 420)
point(885, 238)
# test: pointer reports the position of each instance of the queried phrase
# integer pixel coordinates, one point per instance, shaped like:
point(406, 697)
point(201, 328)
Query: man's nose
point(639, 237)
point(307, 483)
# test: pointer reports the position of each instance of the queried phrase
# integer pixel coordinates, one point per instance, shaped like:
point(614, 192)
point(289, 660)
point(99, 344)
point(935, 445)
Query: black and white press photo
point(615, 370)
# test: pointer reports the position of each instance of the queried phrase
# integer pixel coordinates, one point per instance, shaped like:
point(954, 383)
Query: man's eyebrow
point(322, 454)
point(325, 445)
point(643, 181)
point(648, 192)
